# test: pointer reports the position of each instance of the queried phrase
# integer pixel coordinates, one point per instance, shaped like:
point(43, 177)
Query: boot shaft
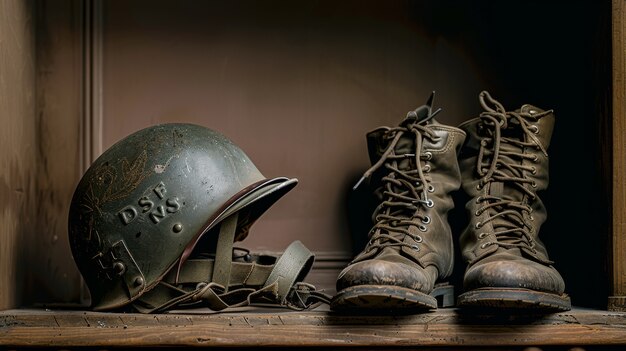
point(504, 164)
point(414, 170)
point(438, 154)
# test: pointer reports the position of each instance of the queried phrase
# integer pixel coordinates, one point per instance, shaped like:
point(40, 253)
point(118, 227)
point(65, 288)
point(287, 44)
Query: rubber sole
point(391, 298)
point(508, 298)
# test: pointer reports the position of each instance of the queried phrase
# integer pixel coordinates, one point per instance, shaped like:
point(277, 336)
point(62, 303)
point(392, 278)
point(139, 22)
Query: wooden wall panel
point(618, 300)
point(53, 276)
point(18, 146)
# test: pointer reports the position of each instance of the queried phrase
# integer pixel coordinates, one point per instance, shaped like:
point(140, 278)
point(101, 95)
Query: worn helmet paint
point(142, 206)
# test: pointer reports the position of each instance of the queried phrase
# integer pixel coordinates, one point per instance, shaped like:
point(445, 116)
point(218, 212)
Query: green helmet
point(142, 207)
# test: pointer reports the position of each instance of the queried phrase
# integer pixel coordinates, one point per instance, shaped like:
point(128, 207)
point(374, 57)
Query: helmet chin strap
point(224, 282)
point(223, 253)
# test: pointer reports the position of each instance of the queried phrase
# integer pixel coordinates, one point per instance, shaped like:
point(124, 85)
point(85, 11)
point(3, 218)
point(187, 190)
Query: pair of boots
point(500, 160)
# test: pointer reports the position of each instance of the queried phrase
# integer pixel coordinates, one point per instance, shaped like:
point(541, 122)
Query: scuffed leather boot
point(504, 163)
point(410, 249)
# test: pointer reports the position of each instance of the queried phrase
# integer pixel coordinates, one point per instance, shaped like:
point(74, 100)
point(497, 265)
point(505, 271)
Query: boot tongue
point(507, 190)
point(514, 131)
point(406, 145)
point(497, 189)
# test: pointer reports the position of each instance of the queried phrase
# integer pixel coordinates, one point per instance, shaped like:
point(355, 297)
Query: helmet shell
point(145, 202)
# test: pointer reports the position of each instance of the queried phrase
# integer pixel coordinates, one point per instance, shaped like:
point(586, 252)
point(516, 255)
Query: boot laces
point(404, 191)
point(500, 160)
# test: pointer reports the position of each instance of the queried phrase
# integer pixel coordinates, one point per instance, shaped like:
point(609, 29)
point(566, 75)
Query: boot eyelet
point(479, 187)
point(428, 155)
point(533, 128)
point(430, 203)
point(533, 170)
point(422, 228)
point(533, 184)
point(426, 168)
point(426, 220)
point(535, 158)
point(431, 188)
point(482, 235)
point(418, 239)
point(478, 225)
point(483, 246)
point(479, 199)
point(477, 213)
point(415, 247)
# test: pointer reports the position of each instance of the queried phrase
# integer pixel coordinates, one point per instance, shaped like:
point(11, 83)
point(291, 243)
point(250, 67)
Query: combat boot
point(504, 163)
point(410, 251)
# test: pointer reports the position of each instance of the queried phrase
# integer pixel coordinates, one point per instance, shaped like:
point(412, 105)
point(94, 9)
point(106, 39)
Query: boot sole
point(391, 298)
point(503, 298)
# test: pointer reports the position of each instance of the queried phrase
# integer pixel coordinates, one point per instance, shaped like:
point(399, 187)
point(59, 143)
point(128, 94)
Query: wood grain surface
point(18, 145)
point(59, 78)
point(446, 327)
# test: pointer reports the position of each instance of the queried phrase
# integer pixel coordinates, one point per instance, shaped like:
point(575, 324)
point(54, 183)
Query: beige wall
point(18, 145)
point(295, 84)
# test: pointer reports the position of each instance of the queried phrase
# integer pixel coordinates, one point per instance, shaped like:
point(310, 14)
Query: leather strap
point(224, 251)
point(250, 273)
point(291, 267)
point(250, 283)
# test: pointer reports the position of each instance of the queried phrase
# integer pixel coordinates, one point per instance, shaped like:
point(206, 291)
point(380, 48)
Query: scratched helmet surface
point(144, 204)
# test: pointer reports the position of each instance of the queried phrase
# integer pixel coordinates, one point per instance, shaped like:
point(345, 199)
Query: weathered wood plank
point(58, 111)
point(18, 145)
point(446, 327)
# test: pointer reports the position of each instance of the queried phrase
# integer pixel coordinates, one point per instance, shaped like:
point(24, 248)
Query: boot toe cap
point(514, 272)
point(379, 272)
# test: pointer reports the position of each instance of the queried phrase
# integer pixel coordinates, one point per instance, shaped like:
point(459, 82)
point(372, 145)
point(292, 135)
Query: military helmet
point(145, 203)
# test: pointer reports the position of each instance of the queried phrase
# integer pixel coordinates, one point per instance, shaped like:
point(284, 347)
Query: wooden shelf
point(251, 328)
